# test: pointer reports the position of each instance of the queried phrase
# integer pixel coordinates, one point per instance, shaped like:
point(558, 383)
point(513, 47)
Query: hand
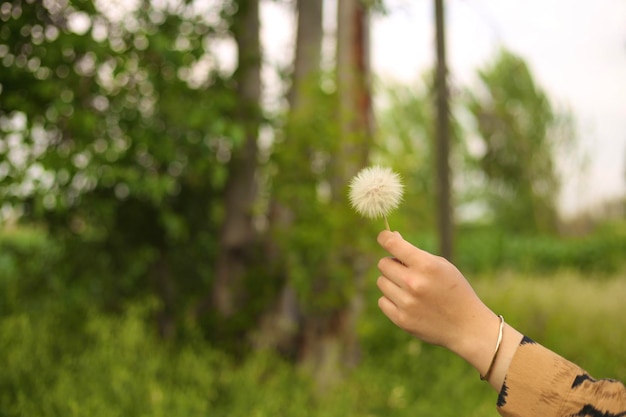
point(428, 297)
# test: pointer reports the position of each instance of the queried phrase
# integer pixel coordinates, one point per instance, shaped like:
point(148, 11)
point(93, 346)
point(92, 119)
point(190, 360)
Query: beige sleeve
point(540, 383)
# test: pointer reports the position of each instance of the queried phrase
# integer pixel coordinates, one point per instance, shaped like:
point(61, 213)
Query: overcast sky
point(575, 49)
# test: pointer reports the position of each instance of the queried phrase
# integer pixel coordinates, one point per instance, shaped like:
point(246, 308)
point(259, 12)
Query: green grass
point(60, 355)
point(578, 316)
point(114, 365)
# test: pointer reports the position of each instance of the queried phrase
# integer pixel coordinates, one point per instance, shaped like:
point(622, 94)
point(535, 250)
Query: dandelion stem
point(387, 223)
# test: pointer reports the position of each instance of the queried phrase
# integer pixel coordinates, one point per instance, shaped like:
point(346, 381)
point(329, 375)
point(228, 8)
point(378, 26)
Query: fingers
point(390, 289)
point(393, 270)
point(405, 252)
point(400, 276)
point(389, 309)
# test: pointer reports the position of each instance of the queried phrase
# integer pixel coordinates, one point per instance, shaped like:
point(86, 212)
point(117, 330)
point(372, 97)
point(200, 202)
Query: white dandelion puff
point(375, 192)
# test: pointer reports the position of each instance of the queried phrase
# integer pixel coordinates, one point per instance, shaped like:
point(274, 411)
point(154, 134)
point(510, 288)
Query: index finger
point(402, 250)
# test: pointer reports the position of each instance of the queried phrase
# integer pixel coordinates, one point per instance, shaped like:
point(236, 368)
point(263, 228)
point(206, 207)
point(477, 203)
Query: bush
point(62, 355)
point(573, 314)
point(114, 366)
point(481, 250)
point(27, 257)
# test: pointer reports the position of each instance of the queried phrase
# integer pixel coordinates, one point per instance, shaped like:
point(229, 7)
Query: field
point(55, 364)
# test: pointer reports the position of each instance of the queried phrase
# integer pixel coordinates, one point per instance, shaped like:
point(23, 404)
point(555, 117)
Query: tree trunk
point(329, 341)
point(355, 108)
point(237, 235)
point(279, 328)
point(308, 53)
point(444, 206)
point(322, 339)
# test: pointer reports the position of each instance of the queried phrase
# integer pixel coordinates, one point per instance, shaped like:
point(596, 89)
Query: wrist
point(476, 343)
point(496, 350)
point(511, 339)
point(478, 347)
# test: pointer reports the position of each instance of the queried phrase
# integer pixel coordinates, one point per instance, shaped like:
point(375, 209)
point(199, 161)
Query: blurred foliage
point(305, 191)
point(112, 364)
point(405, 140)
point(116, 128)
point(30, 270)
point(27, 261)
point(570, 312)
point(521, 134)
point(506, 137)
point(483, 249)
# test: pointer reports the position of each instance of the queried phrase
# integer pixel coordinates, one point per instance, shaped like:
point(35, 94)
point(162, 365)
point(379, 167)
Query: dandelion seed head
point(375, 191)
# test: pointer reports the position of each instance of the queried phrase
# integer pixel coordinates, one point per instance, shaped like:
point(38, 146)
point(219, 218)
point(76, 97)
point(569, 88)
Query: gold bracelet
point(483, 377)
